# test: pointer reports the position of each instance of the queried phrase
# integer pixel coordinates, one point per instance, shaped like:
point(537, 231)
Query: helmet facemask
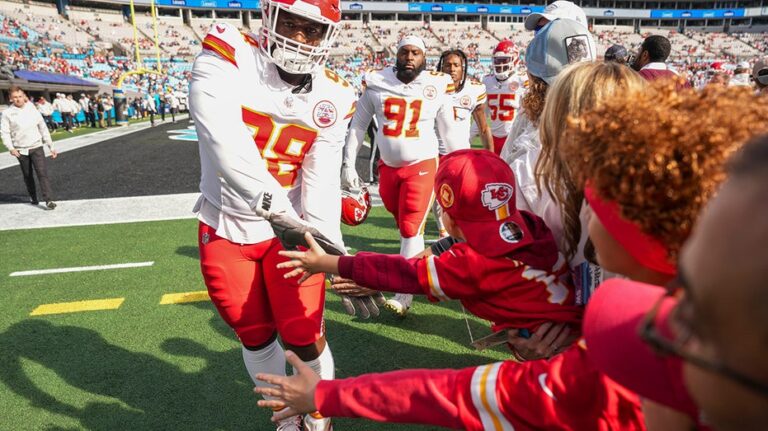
point(503, 66)
point(289, 55)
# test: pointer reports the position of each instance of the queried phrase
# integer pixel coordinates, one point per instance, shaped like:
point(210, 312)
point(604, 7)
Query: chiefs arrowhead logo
point(496, 195)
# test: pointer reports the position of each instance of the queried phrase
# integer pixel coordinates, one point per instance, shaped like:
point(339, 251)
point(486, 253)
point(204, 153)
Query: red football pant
point(253, 297)
point(407, 193)
point(498, 144)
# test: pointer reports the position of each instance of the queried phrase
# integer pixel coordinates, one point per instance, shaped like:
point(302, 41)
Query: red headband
point(647, 250)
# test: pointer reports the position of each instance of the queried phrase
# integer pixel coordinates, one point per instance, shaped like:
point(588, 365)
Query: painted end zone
point(77, 306)
point(181, 298)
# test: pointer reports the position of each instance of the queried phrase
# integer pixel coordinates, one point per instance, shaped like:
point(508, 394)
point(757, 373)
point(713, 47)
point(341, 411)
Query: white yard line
point(81, 269)
point(89, 212)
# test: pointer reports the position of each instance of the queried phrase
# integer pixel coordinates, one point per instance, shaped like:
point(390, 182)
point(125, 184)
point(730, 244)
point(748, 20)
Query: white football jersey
point(503, 101)
point(463, 104)
point(405, 113)
point(258, 134)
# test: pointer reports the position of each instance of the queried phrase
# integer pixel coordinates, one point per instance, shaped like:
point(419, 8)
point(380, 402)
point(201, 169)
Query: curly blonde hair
point(578, 88)
point(661, 153)
point(533, 101)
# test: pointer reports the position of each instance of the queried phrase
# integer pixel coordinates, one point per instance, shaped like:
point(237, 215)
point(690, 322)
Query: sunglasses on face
point(675, 345)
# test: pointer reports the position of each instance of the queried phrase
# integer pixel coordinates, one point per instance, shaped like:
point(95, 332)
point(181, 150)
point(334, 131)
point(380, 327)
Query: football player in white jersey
point(409, 105)
point(271, 122)
point(467, 104)
point(504, 89)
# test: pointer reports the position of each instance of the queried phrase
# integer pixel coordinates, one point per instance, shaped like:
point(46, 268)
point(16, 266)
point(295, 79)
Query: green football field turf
point(146, 366)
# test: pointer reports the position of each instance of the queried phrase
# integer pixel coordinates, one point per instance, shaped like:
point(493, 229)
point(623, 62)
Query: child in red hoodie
point(506, 269)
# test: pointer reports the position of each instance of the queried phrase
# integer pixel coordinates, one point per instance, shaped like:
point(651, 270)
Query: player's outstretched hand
point(548, 340)
point(293, 395)
point(304, 263)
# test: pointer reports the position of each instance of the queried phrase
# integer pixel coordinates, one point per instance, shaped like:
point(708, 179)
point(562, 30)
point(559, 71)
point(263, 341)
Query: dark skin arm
point(482, 126)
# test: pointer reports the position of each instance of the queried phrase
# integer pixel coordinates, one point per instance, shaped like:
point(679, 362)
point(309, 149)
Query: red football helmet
point(292, 56)
point(506, 56)
point(355, 206)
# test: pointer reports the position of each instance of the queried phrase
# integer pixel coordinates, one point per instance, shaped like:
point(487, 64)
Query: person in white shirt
point(65, 109)
point(46, 110)
point(23, 131)
point(149, 102)
point(412, 107)
point(741, 76)
point(173, 104)
point(75, 110)
point(271, 122)
point(85, 106)
point(107, 104)
point(504, 88)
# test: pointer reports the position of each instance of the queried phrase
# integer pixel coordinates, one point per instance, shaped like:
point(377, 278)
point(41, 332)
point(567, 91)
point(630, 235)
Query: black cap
point(616, 53)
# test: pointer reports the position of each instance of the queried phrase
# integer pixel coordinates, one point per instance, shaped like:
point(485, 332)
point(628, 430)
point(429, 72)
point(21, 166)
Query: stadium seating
point(98, 44)
point(470, 37)
point(721, 44)
point(389, 33)
point(514, 32)
point(175, 38)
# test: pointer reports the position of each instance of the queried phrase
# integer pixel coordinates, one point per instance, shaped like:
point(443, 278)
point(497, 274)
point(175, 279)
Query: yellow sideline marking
point(77, 306)
point(181, 298)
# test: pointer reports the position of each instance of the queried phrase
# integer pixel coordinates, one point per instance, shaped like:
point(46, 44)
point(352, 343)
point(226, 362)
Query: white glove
point(349, 178)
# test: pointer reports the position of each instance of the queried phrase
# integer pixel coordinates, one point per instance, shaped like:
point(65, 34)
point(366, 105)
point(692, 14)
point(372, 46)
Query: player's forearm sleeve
point(321, 185)
point(435, 397)
point(358, 128)
point(385, 272)
point(216, 108)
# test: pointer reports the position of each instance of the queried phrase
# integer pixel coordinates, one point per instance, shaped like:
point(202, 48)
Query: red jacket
point(654, 73)
point(564, 393)
point(521, 290)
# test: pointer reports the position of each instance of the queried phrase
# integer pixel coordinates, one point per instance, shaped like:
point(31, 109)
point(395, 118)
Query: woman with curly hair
point(648, 163)
point(658, 161)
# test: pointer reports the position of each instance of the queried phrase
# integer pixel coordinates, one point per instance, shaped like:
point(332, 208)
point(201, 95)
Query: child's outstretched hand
point(306, 263)
point(293, 394)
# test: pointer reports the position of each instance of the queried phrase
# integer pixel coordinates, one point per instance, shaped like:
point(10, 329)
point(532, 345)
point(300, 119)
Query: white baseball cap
point(412, 40)
point(555, 10)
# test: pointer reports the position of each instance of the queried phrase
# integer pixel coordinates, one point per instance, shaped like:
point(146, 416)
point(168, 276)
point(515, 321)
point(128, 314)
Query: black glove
point(367, 306)
point(291, 232)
